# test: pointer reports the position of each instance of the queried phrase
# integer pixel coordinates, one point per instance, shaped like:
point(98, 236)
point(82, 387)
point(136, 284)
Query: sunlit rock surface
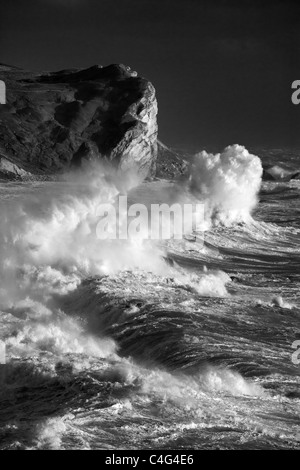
point(52, 121)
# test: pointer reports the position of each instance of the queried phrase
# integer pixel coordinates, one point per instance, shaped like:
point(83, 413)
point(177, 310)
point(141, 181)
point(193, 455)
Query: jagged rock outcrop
point(54, 120)
point(11, 171)
point(170, 163)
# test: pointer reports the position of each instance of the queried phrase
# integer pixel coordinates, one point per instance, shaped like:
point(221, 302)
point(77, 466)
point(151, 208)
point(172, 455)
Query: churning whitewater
point(139, 343)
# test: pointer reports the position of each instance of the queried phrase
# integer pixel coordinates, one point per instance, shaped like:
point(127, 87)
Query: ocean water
point(154, 344)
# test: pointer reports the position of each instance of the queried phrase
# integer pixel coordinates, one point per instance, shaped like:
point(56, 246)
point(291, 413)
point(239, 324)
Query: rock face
point(54, 120)
point(11, 171)
point(170, 164)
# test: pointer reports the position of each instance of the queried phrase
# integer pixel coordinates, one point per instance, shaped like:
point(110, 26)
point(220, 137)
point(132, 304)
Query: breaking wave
point(228, 182)
point(166, 340)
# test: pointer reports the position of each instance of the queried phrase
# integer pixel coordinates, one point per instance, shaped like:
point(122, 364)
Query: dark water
point(192, 350)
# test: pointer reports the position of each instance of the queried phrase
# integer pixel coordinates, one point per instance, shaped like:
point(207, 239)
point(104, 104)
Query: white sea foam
point(188, 390)
point(49, 434)
point(53, 332)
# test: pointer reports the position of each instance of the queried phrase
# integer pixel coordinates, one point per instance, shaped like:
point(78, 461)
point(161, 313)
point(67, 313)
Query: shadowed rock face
point(52, 121)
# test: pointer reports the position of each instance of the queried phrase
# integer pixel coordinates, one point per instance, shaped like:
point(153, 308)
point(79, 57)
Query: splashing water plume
point(228, 182)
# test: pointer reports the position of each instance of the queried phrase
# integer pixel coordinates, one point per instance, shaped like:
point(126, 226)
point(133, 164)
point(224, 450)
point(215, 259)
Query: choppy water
point(190, 347)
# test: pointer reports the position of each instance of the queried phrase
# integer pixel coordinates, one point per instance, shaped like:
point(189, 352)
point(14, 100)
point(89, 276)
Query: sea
point(139, 343)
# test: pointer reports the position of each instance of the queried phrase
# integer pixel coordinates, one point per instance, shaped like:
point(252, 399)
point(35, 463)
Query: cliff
point(54, 120)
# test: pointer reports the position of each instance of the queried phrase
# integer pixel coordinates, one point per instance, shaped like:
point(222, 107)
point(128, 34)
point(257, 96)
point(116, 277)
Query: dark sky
point(222, 69)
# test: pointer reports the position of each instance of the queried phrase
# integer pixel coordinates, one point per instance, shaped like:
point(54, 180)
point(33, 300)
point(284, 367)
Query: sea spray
point(227, 182)
point(49, 241)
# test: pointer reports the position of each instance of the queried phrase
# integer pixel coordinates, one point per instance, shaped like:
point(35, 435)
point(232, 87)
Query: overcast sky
point(222, 69)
